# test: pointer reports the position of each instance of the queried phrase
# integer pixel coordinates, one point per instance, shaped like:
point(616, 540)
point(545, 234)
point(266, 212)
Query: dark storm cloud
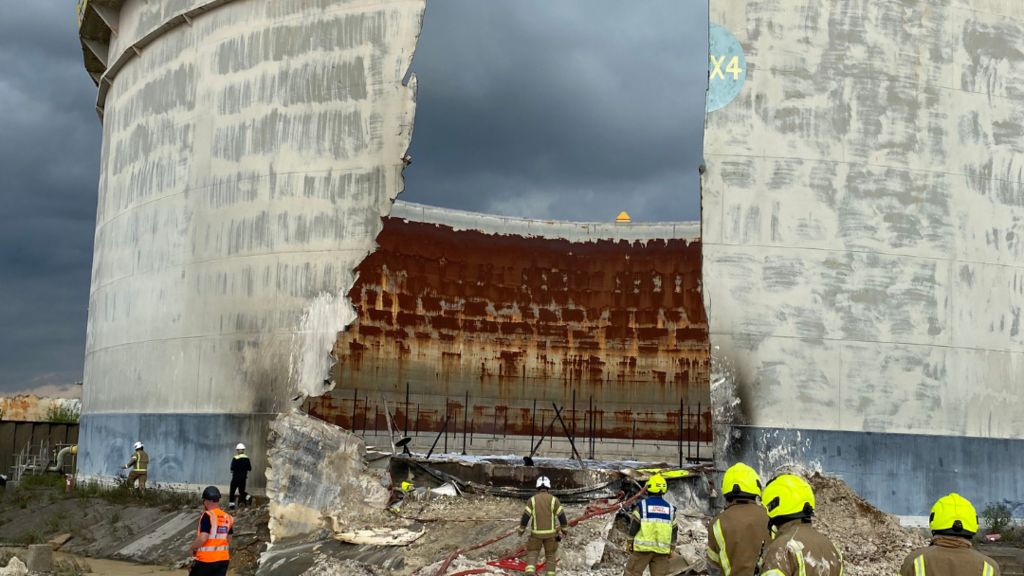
point(568, 109)
point(49, 138)
point(573, 109)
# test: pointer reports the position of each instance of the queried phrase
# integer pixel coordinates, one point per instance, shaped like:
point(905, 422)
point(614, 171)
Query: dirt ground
point(872, 542)
point(102, 522)
point(594, 547)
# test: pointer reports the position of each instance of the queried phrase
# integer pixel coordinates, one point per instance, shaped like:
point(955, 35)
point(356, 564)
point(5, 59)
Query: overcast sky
point(570, 109)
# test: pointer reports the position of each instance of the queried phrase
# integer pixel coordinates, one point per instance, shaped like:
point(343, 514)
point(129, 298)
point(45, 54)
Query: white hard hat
point(138, 445)
point(544, 482)
point(240, 446)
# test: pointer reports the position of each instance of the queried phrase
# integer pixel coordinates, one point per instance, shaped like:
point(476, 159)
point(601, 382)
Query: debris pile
point(317, 479)
point(872, 542)
point(332, 513)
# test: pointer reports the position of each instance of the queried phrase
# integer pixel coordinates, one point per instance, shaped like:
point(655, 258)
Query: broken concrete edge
point(292, 511)
point(317, 478)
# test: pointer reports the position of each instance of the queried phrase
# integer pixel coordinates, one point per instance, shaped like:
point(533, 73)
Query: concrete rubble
point(873, 543)
point(317, 479)
point(14, 568)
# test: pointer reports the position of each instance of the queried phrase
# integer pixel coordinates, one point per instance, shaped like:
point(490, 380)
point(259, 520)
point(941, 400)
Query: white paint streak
point(327, 315)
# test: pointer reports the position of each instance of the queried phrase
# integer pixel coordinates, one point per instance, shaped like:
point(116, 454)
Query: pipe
point(60, 457)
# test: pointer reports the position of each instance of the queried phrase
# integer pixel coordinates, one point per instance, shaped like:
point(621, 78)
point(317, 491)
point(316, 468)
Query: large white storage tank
point(863, 233)
point(250, 149)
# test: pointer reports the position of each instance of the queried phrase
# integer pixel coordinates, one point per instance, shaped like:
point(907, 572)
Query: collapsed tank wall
point(480, 319)
point(249, 152)
point(863, 256)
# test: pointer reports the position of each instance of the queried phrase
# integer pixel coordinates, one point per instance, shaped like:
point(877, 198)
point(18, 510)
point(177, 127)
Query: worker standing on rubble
point(738, 535)
point(652, 526)
point(547, 523)
point(213, 537)
point(797, 549)
point(953, 522)
point(139, 466)
point(240, 468)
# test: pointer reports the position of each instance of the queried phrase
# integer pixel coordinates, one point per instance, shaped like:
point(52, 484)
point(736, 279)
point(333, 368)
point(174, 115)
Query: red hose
point(451, 557)
point(590, 512)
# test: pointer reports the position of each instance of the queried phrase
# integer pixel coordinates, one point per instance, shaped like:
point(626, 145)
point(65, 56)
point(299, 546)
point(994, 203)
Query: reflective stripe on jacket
point(737, 537)
point(800, 550)
point(215, 549)
point(139, 461)
point(543, 510)
point(948, 556)
point(657, 518)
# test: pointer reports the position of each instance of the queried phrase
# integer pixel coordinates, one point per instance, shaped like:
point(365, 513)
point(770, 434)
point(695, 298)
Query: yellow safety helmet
point(741, 480)
point(407, 486)
point(788, 497)
point(953, 514)
point(656, 484)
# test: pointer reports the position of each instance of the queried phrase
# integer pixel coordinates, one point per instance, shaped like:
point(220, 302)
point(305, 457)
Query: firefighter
point(240, 468)
point(139, 466)
point(547, 524)
point(213, 536)
point(738, 535)
point(953, 522)
point(652, 527)
point(797, 548)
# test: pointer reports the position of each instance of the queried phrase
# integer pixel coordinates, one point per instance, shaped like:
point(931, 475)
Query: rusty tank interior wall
point(504, 315)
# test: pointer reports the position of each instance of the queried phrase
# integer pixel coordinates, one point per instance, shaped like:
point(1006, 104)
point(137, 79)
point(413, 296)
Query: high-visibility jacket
point(737, 537)
point(139, 461)
point(657, 519)
point(545, 512)
point(948, 556)
point(800, 550)
point(215, 549)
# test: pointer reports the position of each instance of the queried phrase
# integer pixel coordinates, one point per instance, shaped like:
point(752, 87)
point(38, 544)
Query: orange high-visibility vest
point(215, 549)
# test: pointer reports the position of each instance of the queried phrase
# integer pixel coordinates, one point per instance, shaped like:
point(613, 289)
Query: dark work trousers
point(209, 568)
point(238, 483)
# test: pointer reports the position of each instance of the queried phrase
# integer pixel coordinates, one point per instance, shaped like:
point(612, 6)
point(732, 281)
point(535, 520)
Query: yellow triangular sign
point(623, 217)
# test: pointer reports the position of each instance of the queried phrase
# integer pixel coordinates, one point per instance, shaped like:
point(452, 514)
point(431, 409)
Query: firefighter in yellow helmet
point(953, 522)
point(652, 526)
point(797, 547)
point(738, 535)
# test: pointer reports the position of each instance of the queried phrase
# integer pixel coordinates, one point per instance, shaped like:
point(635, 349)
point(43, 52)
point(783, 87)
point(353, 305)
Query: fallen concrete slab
point(381, 536)
point(317, 472)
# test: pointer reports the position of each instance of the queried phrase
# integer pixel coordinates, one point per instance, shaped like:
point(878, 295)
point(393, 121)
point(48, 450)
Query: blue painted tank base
point(902, 474)
point(194, 449)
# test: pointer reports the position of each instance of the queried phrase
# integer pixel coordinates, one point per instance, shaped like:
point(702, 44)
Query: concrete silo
point(863, 233)
point(249, 151)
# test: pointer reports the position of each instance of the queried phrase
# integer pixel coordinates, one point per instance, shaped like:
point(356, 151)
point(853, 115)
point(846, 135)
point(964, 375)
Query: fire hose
point(591, 511)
